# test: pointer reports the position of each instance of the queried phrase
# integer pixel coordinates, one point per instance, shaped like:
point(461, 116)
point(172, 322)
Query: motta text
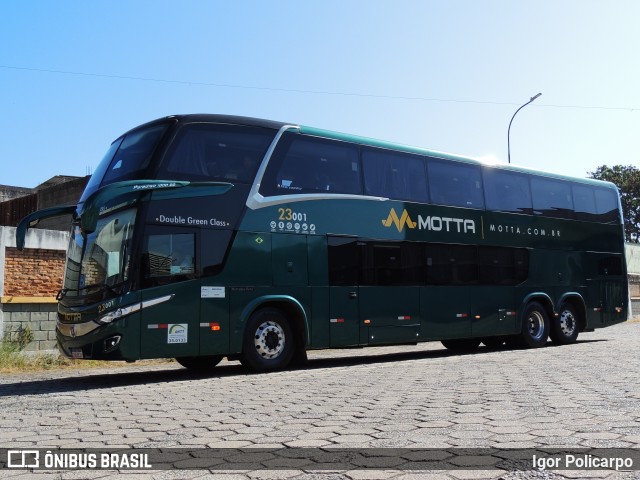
point(515, 230)
point(446, 224)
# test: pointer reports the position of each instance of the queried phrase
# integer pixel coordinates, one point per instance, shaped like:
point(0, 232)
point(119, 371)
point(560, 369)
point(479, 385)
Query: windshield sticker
point(177, 333)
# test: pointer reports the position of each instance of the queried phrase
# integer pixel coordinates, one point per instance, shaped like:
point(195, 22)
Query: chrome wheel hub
point(535, 324)
point(269, 340)
point(567, 323)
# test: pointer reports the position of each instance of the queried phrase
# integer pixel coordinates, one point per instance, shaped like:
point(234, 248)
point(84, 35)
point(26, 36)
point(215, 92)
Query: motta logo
point(400, 222)
point(431, 223)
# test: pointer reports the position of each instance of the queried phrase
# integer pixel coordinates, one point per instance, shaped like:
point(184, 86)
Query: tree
point(627, 179)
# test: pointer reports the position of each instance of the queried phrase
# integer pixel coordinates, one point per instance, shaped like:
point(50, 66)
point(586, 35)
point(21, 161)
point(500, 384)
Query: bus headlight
point(118, 313)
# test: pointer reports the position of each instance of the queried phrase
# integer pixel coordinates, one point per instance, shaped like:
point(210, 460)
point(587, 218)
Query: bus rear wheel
point(535, 326)
point(268, 341)
point(463, 345)
point(564, 329)
point(205, 363)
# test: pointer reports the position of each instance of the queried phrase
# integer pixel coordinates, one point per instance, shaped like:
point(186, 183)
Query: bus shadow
point(114, 378)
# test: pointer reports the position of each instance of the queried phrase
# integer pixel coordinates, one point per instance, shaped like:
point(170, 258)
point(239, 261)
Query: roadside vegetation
point(14, 359)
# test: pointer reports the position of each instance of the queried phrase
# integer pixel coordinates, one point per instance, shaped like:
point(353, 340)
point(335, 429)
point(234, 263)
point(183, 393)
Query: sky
point(444, 75)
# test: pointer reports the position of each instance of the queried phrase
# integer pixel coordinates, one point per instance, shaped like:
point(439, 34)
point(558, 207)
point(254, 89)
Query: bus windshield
point(126, 158)
point(100, 259)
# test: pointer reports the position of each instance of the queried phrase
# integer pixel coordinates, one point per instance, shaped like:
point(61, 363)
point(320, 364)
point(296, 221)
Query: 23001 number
point(289, 215)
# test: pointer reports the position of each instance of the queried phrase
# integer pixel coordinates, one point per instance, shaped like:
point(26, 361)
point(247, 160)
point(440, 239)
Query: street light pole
point(509, 130)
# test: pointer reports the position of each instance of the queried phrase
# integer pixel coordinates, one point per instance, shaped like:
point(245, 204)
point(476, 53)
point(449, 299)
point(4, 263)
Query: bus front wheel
point(268, 341)
point(535, 326)
point(205, 363)
point(564, 329)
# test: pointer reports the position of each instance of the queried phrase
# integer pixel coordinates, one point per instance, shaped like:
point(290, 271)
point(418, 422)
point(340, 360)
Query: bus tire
point(564, 328)
point(268, 341)
point(535, 326)
point(205, 363)
point(461, 345)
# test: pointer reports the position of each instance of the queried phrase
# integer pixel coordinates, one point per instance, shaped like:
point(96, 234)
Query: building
point(30, 279)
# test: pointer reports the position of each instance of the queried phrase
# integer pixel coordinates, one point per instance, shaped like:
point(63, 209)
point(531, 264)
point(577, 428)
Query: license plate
point(76, 353)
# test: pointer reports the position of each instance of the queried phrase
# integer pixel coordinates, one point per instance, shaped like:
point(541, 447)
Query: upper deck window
point(607, 205)
point(456, 184)
point(205, 151)
point(127, 158)
point(551, 198)
point(394, 175)
point(507, 191)
point(306, 164)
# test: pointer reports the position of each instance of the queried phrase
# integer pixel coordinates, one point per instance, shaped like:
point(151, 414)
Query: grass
point(14, 360)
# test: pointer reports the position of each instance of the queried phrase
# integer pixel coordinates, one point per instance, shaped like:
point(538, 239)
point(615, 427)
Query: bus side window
point(607, 206)
point(306, 164)
point(451, 264)
point(507, 191)
point(454, 183)
point(551, 198)
point(394, 175)
point(344, 261)
point(584, 202)
point(503, 265)
point(169, 258)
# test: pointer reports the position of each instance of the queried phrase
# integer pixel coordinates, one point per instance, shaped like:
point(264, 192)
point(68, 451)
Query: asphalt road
point(412, 397)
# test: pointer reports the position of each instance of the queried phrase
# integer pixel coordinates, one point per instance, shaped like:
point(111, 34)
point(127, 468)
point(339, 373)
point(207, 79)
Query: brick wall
point(29, 281)
point(33, 272)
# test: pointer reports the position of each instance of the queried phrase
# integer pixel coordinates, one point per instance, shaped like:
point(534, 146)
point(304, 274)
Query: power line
point(302, 91)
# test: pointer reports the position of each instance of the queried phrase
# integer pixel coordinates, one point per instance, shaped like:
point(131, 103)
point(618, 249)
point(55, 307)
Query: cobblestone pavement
point(581, 395)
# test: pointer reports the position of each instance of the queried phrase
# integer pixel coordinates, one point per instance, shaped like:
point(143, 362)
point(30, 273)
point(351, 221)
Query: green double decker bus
point(200, 237)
